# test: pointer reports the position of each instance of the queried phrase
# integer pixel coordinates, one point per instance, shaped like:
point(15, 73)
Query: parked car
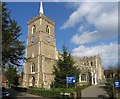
point(4, 94)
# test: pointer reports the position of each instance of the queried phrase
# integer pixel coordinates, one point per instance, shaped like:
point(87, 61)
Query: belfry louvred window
point(33, 29)
point(48, 29)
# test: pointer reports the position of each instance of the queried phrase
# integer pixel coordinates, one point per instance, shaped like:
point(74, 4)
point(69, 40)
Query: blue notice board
point(117, 84)
point(71, 80)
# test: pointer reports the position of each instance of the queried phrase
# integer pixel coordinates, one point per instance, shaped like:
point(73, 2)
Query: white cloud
point(103, 16)
point(81, 29)
point(77, 15)
point(107, 52)
point(86, 37)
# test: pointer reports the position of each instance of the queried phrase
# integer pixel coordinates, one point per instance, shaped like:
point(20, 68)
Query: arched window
point(48, 29)
point(33, 29)
point(33, 68)
point(83, 77)
point(91, 63)
point(33, 81)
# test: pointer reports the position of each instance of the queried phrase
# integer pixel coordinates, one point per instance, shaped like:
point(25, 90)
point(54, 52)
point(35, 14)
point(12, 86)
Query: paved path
point(95, 91)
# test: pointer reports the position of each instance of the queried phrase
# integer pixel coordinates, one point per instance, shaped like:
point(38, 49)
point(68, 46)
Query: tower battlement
point(89, 57)
point(42, 17)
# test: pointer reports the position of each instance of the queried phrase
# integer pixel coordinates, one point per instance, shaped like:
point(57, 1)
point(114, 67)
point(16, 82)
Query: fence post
point(79, 94)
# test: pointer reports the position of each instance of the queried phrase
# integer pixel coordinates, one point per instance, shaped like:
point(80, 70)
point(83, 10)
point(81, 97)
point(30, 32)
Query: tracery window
point(83, 77)
point(33, 68)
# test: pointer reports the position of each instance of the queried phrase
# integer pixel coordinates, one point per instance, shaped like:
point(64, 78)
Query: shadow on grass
point(103, 97)
point(108, 91)
point(103, 87)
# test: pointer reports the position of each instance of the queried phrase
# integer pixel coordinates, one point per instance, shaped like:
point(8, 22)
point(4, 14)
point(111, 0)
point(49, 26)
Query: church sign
point(71, 80)
point(117, 84)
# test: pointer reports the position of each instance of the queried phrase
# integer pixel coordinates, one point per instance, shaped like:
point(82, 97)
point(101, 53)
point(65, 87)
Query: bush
point(109, 89)
point(81, 87)
point(67, 90)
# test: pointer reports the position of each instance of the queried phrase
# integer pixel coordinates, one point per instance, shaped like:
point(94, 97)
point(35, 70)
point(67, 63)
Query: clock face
point(33, 39)
point(48, 39)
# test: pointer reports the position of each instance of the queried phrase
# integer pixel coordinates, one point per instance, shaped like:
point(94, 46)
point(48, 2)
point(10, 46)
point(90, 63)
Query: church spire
point(41, 7)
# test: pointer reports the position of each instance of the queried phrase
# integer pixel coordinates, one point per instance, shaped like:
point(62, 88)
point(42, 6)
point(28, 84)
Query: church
point(41, 55)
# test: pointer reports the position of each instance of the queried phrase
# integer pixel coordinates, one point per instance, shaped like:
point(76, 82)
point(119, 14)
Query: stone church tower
point(41, 51)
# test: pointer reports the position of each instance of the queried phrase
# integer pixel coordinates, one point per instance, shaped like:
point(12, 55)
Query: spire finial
point(41, 7)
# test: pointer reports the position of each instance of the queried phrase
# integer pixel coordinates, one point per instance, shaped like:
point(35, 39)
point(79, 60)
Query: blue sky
point(85, 28)
point(58, 12)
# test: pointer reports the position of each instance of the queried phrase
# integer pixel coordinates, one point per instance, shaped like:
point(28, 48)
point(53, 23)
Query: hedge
point(52, 93)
